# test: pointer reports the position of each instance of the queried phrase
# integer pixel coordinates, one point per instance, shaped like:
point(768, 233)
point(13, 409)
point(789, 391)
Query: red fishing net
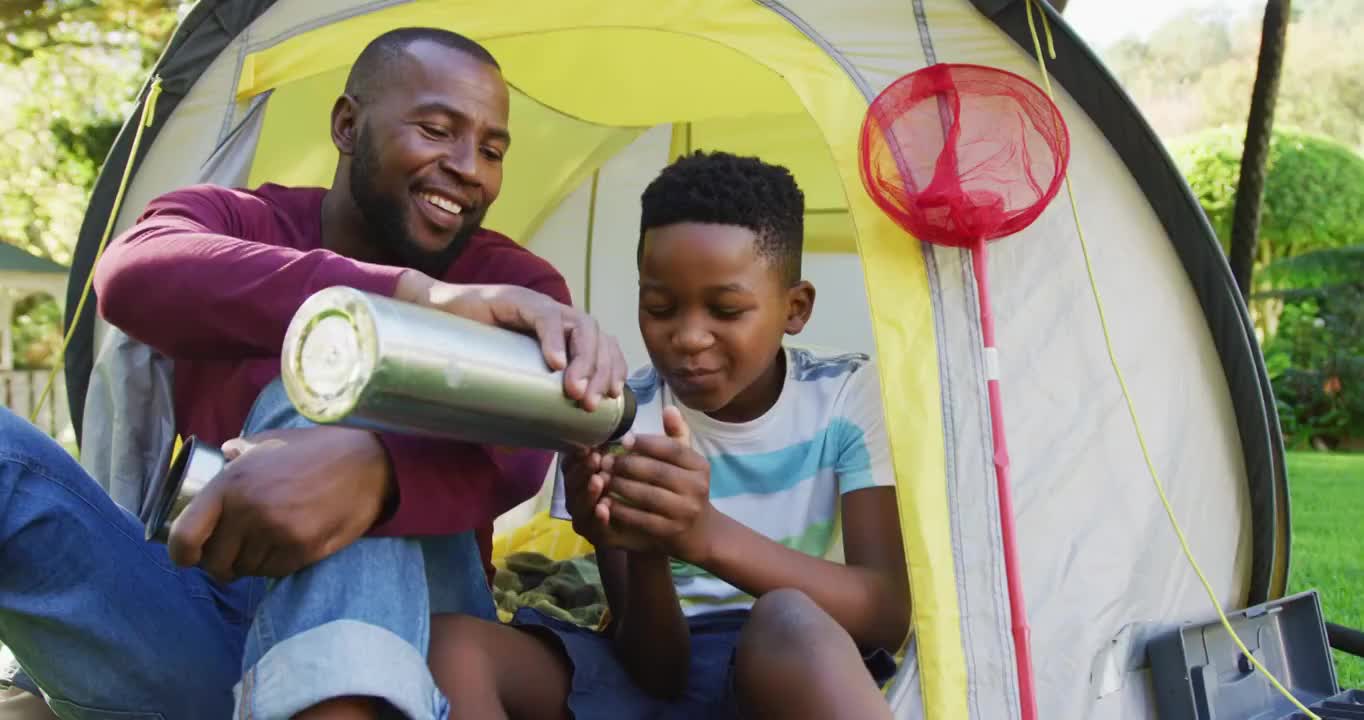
point(962, 154)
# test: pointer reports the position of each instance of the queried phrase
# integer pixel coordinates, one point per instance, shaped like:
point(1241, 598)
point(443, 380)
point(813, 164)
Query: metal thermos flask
point(364, 360)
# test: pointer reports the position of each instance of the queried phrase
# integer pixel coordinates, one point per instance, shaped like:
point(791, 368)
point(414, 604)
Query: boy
point(726, 491)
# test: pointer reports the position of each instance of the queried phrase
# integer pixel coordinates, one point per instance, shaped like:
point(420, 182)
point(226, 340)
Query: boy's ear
point(800, 302)
point(345, 122)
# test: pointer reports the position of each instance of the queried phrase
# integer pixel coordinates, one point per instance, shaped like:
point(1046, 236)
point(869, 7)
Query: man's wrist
point(414, 287)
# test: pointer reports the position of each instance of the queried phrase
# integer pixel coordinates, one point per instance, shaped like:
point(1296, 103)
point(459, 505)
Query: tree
point(29, 27)
point(1313, 197)
point(69, 73)
point(1316, 359)
point(1313, 201)
point(1197, 71)
point(1245, 229)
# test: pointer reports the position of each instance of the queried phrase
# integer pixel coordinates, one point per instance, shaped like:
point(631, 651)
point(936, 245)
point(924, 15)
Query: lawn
point(1327, 493)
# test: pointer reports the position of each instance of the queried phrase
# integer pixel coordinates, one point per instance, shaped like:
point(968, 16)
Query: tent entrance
point(596, 111)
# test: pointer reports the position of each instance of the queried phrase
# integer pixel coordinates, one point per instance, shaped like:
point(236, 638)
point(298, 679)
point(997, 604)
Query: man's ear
point(800, 303)
point(345, 124)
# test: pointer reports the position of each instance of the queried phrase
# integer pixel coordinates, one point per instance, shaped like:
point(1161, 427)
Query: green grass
point(1327, 495)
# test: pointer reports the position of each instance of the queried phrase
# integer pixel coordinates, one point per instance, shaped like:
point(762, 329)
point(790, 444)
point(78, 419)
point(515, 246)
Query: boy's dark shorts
point(602, 688)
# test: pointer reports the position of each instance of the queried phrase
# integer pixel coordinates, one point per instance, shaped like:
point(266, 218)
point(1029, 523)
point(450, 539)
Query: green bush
point(1314, 190)
point(1309, 272)
point(1316, 365)
point(37, 332)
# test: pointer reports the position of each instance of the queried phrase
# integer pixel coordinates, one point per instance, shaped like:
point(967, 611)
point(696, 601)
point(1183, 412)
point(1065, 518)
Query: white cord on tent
point(1131, 408)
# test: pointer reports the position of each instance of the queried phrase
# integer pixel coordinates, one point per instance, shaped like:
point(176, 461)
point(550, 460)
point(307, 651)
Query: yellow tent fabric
point(783, 98)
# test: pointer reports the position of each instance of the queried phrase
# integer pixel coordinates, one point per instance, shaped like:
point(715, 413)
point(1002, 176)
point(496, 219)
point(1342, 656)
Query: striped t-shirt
point(781, 474)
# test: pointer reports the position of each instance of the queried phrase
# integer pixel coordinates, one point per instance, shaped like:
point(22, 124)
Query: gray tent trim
point(1086, 79)
point(213, 24)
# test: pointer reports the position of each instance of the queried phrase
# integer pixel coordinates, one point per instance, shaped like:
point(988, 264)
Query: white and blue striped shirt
point(781, 474)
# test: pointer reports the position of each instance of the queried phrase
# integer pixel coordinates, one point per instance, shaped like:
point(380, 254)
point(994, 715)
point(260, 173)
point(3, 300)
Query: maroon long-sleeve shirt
point(211, 277)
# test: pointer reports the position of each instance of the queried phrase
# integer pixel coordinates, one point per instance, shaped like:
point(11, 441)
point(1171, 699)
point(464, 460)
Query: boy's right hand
point(585, 483)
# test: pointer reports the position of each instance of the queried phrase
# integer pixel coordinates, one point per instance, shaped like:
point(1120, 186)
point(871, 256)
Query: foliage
point(69, 73)
point(37, 332)
point(1196, 71)
point(1316, 366)
point(1314, 191)
point(31, 27)
point(1309, 304)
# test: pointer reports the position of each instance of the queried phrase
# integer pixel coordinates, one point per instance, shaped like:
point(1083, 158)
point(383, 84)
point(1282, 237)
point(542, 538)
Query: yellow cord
point(1131, 408)
point(148, 113)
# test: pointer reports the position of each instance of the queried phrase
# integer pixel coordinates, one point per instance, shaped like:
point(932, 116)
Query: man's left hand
point(285, 500)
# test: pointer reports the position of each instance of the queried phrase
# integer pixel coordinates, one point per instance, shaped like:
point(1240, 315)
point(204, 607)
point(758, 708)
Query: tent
point(607, 91)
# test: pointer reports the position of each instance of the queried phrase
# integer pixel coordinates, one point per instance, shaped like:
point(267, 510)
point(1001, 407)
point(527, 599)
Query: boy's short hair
point(725, 189)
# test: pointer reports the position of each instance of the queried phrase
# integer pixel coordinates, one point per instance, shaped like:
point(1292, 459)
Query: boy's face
point(713, 312)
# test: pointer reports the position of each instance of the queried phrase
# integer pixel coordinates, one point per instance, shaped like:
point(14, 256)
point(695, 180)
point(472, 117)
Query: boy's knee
point(785, 619)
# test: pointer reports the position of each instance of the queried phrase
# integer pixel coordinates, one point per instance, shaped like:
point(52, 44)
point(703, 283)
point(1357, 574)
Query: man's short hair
point(373, 68)
point(724, 189)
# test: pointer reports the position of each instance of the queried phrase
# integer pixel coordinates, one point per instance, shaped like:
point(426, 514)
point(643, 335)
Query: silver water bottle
point(364, 360)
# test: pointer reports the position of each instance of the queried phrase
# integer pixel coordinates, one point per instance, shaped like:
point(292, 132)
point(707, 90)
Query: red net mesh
point(961, 154)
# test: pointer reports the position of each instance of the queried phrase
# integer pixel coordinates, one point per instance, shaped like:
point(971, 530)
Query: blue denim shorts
point(601, 686)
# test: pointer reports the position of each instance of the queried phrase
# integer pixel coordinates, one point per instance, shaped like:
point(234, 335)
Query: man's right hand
point(593, 365)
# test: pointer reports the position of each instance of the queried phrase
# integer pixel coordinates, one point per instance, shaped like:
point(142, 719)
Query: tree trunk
point(1245, 228)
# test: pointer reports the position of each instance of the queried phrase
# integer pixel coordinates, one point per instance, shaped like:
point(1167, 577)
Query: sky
point(1103, 22)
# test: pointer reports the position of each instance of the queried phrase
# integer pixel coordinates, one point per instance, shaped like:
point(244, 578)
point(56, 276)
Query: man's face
point(428, 154)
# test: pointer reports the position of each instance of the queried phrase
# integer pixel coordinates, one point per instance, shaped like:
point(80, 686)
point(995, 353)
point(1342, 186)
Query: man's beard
point(386, 217)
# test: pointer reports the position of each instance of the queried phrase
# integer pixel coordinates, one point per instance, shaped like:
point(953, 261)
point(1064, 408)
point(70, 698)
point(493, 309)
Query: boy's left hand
point(659, 493)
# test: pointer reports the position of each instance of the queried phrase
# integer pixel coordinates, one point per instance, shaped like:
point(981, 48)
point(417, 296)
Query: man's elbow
point(116, 283)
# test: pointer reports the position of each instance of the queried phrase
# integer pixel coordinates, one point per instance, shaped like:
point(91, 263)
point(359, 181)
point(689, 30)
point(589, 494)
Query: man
point(105, 623)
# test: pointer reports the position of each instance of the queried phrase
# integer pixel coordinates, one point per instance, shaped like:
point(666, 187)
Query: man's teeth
point(442, 203)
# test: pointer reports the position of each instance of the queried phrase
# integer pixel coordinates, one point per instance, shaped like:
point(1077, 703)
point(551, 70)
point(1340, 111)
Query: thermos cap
point(330, 351)
point(193, 466)
point(629, 405)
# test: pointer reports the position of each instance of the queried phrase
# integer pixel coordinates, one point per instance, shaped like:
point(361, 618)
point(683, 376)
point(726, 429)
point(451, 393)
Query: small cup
point(190, 471)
